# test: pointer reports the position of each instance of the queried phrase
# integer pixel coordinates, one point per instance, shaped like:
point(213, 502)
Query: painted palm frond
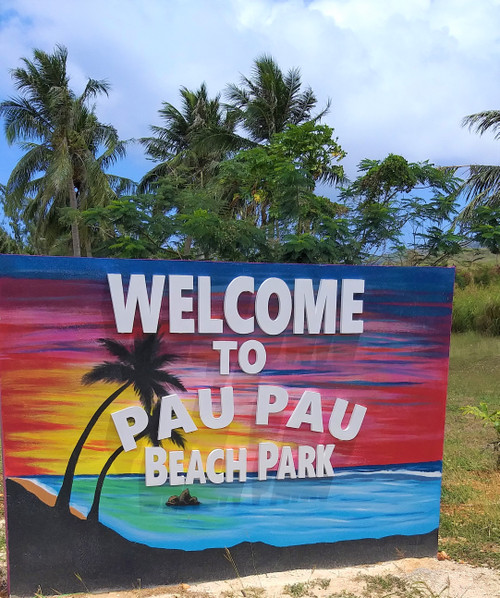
point(116, 349)
point(139, 366)
point(109, 373)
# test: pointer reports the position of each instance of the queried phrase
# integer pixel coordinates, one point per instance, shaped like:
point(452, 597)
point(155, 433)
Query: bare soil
point(424, 577)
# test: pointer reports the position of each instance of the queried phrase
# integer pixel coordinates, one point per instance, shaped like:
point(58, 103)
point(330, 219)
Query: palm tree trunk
point(93, 514)
point(187, 246)
point(75, 233)
point(88, 246)
point(63, 498)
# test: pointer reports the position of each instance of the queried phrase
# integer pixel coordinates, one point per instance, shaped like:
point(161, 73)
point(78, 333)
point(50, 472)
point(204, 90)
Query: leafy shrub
point(488, 417)
point(463, 278)
point(484, 275)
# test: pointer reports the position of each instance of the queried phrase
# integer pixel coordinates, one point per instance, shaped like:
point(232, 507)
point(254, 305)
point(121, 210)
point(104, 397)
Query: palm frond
point(482, 187)
point(116, 349)
point(121, 185)
point(35, 160)
point(483, 122)
point(157, 361)
point(169, 380)
point(108, 372)
point(94, 87)
point(23, 120)
point(177, 437)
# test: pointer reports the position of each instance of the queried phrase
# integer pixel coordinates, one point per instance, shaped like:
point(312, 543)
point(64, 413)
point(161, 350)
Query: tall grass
point(476, 305)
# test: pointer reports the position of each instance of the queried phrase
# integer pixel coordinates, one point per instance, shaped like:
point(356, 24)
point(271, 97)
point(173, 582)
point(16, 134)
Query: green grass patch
point(392, 586)
point(470, 513)
point(477, 308)
point(304, 588)
point(474, 370)
point(378, 585)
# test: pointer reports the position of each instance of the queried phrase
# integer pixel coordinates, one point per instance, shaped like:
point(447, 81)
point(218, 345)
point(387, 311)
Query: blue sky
point(401, 75)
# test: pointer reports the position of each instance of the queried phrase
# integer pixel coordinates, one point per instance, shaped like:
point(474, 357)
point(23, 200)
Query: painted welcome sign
point(169, 421)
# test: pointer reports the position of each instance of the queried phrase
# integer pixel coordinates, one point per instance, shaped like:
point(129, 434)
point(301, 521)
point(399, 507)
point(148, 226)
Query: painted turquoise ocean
point(357, 503)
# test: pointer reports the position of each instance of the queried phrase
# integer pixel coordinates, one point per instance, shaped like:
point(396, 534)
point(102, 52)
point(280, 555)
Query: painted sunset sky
point(53, 311)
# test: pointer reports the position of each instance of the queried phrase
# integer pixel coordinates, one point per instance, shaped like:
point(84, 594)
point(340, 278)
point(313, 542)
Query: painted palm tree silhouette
point(140, 367)
point(151, 433)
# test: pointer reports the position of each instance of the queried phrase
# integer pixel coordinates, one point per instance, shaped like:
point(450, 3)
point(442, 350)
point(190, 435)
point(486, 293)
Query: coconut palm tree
point(62, 138)
point(193, 141)
point(268, 100)
point(140, 367)
point(482, 186)
point(151, 433)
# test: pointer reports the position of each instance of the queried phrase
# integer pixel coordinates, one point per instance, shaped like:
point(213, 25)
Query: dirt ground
point(425, 578)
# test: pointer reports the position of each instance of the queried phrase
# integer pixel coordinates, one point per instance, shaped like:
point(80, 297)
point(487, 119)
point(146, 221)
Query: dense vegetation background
point(247, 174)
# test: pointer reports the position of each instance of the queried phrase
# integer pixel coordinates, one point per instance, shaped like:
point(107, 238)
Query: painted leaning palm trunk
point(93, 514)
point(140, 367)
point(151, 433)
point(63, 498)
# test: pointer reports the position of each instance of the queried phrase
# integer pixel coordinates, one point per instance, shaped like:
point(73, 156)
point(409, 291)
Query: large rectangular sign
point(165, 422)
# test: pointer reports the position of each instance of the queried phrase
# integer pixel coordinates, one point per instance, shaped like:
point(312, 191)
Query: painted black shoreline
point(49, 552)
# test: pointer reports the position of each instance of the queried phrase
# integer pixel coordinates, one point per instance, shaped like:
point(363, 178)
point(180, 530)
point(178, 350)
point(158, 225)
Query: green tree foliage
point(265, 195)
point(215, 193)
point(255, 203)
point(393, 198)
point(138, 226)
point(484, 225)
point(193, 141)
point(62, 138)
point(267, 101)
